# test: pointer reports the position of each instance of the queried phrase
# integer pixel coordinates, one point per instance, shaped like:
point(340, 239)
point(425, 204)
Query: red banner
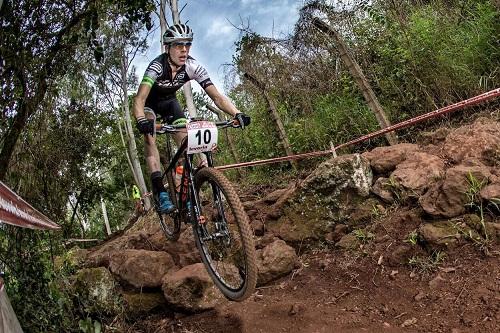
point(15, 211)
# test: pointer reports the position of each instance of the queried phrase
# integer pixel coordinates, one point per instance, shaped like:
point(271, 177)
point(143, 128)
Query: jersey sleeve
point(154, 71)
point(198, 73)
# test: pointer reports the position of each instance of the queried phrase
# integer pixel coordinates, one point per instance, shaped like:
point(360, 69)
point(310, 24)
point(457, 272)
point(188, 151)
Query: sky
point(214, 34)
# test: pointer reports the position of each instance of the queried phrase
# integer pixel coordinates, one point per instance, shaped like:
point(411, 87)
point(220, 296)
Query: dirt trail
point(337, 291)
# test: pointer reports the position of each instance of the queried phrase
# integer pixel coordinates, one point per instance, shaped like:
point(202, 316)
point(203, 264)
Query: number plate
point(202, 136)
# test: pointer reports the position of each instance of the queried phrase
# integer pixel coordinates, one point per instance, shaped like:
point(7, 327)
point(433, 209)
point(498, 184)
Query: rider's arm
point(221, 101)
point(140, 100)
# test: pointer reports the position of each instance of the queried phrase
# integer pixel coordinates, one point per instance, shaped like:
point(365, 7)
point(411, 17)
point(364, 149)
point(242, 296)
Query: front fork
point(188, 189)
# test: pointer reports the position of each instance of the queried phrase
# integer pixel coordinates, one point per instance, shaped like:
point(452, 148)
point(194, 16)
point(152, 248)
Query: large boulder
point(139, 304)
point(102, 255)
point(330, 194)
point(141, 268)
point(442, 234)
point(97, 291)
point(415, 174)
point(448, 198)
point(480, 140)
point(191, 289)
point(275, 260)
point(384, 159)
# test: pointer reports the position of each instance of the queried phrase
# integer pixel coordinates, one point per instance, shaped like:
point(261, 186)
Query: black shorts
point(169, 111)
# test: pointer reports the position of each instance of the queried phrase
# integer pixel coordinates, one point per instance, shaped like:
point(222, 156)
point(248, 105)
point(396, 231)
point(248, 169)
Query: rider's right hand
point(146, 126)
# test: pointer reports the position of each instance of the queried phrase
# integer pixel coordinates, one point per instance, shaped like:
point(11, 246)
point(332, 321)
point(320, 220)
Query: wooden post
point(359, 77)
point(275, 115)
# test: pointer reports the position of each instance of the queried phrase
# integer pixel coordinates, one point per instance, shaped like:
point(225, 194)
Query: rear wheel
point(223, 235)
point(169, 223)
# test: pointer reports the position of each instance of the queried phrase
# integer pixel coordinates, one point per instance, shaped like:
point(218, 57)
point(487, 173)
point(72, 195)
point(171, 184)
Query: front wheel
point(223, 235)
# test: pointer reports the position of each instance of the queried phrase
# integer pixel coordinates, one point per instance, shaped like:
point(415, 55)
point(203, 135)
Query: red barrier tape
point(447, 109)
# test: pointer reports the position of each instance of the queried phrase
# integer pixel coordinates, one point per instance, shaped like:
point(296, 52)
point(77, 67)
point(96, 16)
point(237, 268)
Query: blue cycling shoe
point(166, 206)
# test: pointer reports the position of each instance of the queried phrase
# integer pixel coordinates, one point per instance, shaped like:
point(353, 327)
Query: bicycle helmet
point(177, 32)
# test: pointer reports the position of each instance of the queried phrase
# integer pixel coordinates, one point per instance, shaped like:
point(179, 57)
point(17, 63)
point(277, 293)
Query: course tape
point(447, 109)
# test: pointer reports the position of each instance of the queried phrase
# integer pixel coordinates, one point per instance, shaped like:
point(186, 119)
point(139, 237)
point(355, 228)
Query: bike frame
point(187, 179)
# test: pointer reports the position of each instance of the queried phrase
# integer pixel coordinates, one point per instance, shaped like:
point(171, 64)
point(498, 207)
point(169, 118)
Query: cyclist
point(166, 74)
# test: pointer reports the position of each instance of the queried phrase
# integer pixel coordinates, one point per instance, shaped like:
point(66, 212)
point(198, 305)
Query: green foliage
point(37, 293)
point(363, 235)
point(427, 264)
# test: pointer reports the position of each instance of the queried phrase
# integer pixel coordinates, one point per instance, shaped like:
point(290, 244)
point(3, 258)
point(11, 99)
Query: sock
point(157, 183)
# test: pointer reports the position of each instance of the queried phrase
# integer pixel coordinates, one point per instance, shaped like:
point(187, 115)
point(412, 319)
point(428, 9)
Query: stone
point(385, 159)
point(141, 268)
point(139, 304)
point(383, 189)
point(97, 291)
point(191, 288)
point(275, 260)
point(440, 234)
point(348, 242)
point(414, 175)
point(480, 140)
point(447, 198)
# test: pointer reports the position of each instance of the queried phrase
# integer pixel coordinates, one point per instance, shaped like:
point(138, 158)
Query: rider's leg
point(153, 162)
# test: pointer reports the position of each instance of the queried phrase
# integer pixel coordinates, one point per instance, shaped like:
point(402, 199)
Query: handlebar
point(164, 128)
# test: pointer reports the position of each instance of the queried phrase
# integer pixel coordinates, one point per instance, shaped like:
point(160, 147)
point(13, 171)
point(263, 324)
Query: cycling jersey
point(158, 76)
point(161, 99)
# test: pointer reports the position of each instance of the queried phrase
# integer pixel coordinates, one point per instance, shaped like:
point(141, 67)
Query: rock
point(491, 192)
point(141, 268)
point(97, 291)
point(440, 234)
point(330, 194)
point(480, 141)
point(383, 189)
point(434, 137)
point(416, 174)
point(262, 242)
point(400, 255)
point(448, 198)
point(385, 159)
point(275, 260)
point(349, 241)
point(191, 288)
point(138, 304)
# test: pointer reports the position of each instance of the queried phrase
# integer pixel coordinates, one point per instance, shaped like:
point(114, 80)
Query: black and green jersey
point(158, 76)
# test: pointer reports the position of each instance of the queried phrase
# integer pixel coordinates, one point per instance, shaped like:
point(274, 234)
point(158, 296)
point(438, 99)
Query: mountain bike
point(207, 200)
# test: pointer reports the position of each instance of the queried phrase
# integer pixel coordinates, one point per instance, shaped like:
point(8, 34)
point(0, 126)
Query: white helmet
point(177, 32)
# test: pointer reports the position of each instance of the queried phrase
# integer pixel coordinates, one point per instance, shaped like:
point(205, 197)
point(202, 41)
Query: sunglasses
point(182, 43)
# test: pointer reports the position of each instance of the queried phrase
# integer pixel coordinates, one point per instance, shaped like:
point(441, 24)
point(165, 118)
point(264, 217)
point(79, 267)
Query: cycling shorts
point(168, 111)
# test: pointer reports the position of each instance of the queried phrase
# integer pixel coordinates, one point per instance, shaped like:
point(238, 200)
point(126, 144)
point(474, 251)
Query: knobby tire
point(211, 184)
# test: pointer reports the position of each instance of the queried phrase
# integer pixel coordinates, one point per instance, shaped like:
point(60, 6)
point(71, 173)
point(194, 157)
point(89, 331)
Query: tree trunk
point(275, 115)
point(132, 148)
point(359, 77)
point(105, 216)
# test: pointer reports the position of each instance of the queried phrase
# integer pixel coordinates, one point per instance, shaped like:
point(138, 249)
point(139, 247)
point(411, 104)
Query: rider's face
point(179, 52)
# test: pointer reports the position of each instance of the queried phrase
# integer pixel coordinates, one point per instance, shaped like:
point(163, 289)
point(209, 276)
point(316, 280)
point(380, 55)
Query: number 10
point(207, 136)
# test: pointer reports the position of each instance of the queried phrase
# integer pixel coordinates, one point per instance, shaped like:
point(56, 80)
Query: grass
point(363, 236)
point(427, 264)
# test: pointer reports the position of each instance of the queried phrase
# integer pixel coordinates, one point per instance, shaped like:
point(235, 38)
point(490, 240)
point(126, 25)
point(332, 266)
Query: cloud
point(220, 28)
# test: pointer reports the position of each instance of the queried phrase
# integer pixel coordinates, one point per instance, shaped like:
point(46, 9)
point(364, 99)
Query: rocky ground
point(401, 238)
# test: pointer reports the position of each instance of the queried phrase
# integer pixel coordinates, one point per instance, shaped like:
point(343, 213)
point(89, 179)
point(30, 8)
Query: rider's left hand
point(242, 119)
